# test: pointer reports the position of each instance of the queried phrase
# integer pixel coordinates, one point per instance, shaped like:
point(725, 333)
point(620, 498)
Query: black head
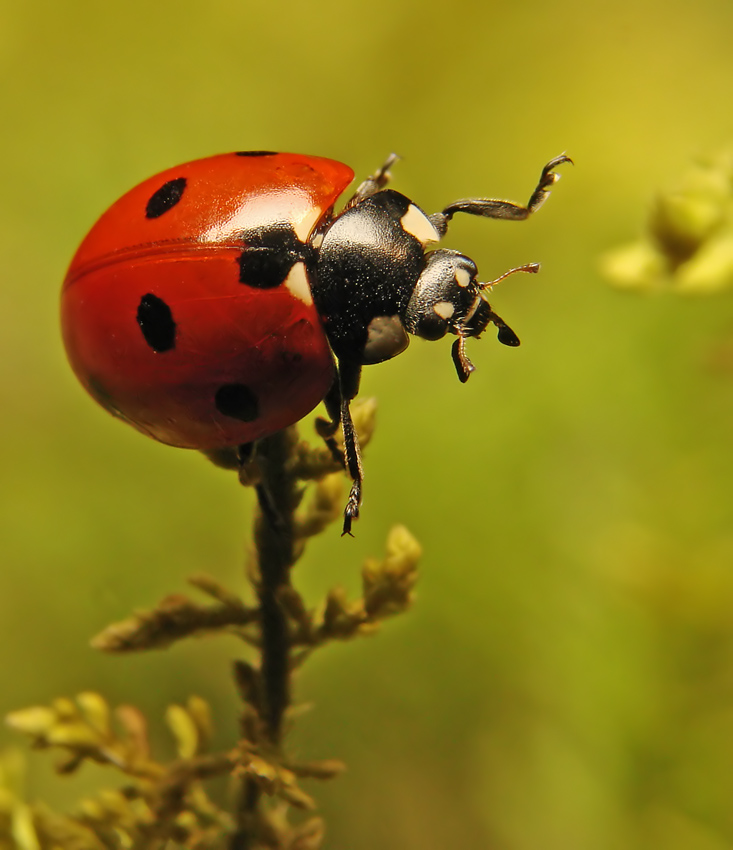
point(449, 299)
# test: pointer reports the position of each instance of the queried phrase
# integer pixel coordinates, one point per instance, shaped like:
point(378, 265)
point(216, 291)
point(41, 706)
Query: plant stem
point(278, 496)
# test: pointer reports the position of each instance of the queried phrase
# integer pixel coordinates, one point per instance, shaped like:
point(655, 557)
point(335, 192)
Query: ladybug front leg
point(494, 208)
point(374, 183)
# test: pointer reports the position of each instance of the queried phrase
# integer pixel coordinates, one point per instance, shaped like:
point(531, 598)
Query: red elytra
point(157, 323)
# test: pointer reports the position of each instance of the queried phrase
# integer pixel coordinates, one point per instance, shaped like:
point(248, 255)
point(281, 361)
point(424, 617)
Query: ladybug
point(222, 300)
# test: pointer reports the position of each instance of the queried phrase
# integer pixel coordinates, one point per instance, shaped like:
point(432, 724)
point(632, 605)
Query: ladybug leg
point(338, 405)
point(352, 454)
point(373, 183)
point(327, 428)
point(246, 457)
point(349, 377)
point(463, 365)
point(250, 474)
point(494, 208)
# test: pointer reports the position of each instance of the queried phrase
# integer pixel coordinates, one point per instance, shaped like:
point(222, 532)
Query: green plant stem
point(274, 540)
point(278, 496)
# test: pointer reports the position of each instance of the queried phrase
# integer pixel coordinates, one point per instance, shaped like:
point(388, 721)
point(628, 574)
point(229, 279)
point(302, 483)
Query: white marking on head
point(444, 309)
point(463, 278)
point(417, 224)
point(297, 283)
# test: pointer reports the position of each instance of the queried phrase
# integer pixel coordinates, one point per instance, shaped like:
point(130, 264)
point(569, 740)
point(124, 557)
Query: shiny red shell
point(225, 333)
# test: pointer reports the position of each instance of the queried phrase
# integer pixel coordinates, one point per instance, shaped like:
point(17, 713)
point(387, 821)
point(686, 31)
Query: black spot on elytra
point(256, 153)
point(237, 401)
point(269, 256)
point(165, 198)
point(156, 322)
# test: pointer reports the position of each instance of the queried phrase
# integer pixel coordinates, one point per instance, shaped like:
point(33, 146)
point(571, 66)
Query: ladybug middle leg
point(338, 405)
point(349, 375)
point(327, 428)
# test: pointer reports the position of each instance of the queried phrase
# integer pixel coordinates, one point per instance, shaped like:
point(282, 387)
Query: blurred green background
point(565, 680)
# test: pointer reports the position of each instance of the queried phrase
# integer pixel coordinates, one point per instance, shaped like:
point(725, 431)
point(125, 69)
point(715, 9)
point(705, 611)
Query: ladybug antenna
point(530, 268)
point(506, 335)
